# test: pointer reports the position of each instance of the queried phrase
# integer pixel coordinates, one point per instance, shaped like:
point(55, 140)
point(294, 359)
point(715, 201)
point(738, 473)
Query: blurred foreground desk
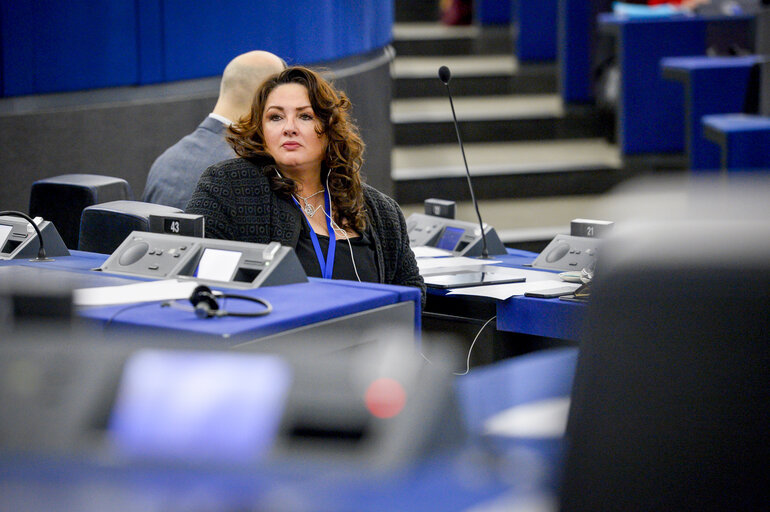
point(342, 313)
point(519, 470)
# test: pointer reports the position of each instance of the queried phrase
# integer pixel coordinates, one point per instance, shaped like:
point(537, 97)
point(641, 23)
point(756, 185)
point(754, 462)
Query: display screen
point(449, 238)
point(218, 264)
point(199, 406)
point(5, 230)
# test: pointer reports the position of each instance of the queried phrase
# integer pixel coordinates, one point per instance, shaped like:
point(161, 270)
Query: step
point(506, 169)
point(416, 10)
point(433, 38)
point(491, 118)
point(472, 75)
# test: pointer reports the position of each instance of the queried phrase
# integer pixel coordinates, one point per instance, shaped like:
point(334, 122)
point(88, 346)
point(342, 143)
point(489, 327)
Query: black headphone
point(205, 304)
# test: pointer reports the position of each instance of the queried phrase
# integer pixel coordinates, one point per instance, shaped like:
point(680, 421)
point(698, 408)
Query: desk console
point(566, 252)
point(18, 240)
point(460, 237)
point(209, 261)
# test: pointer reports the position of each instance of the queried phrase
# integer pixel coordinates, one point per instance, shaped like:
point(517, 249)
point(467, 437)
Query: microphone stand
point(445, 75)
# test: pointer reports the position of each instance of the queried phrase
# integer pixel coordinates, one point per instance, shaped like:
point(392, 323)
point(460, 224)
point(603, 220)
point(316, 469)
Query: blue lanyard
point(326, 264)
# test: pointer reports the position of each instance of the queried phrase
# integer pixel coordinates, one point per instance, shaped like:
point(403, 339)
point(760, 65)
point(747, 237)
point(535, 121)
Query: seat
point(669, 407)
point(62, 199)
point(104, 226)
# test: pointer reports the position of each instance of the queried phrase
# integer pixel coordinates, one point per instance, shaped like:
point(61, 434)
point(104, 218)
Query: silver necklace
point(309, 209)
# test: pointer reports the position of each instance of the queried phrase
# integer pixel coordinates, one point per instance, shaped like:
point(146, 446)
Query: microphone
point(445, 75)
point(41, 251)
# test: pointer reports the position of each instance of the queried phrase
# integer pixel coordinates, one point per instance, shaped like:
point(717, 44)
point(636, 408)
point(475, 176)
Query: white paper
point(536, 282)
point(437, 265)
point(538, 420)
point(168, 289)
point(425, 251)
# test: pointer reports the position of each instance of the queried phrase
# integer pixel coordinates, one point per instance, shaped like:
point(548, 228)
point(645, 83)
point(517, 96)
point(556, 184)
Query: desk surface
point(294, 305)
point(732, 123)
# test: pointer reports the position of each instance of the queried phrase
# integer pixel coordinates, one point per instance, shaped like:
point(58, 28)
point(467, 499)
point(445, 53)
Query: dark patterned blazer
point(237, 202)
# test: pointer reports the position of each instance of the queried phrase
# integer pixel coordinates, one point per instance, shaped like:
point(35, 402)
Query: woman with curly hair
point(298, 181)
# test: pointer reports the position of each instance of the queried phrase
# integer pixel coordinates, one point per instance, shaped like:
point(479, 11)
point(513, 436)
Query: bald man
point(174, 174)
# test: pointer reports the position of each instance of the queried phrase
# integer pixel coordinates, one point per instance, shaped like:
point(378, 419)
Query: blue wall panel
point(55, 45)
point(58, 45)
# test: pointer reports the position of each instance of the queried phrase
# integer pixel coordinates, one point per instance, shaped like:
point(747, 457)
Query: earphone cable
point(468, 359)
point(336, 227)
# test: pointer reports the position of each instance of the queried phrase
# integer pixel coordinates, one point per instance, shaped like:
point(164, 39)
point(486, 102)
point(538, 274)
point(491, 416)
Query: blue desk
point(550, 318)
point(651, 109)
point(712, 85)
point(303, 305)
point(743, 139)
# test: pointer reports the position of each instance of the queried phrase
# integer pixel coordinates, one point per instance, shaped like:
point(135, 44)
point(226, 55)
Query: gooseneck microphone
point(445, 75)
point(41, 250)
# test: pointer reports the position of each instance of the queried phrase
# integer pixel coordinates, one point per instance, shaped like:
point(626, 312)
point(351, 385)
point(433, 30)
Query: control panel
point(567, 252)
point(209, 261)
point(18, 239)
point(459, 237)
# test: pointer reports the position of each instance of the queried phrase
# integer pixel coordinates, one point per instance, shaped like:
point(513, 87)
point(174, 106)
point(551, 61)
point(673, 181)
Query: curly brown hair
point(344, 152)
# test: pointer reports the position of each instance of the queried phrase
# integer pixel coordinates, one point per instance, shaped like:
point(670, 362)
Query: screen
point(5, 230)
point(218, 264)
point(471, 278)
point(449, 238)
point(199, 406)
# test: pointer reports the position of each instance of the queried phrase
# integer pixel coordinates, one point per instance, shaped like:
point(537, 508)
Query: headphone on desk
point(205, 304)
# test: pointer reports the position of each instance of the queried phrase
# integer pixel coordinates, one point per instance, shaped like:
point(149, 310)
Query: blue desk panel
point(576, 27)
point(536, 34)
point(651, 110)
point(712, 85)
point(553, 318)
point(744, 140)
point(493, 12)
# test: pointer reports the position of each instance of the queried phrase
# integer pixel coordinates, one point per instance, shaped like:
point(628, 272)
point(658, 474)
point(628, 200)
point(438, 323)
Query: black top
point(238, 203)
point(363, 251)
